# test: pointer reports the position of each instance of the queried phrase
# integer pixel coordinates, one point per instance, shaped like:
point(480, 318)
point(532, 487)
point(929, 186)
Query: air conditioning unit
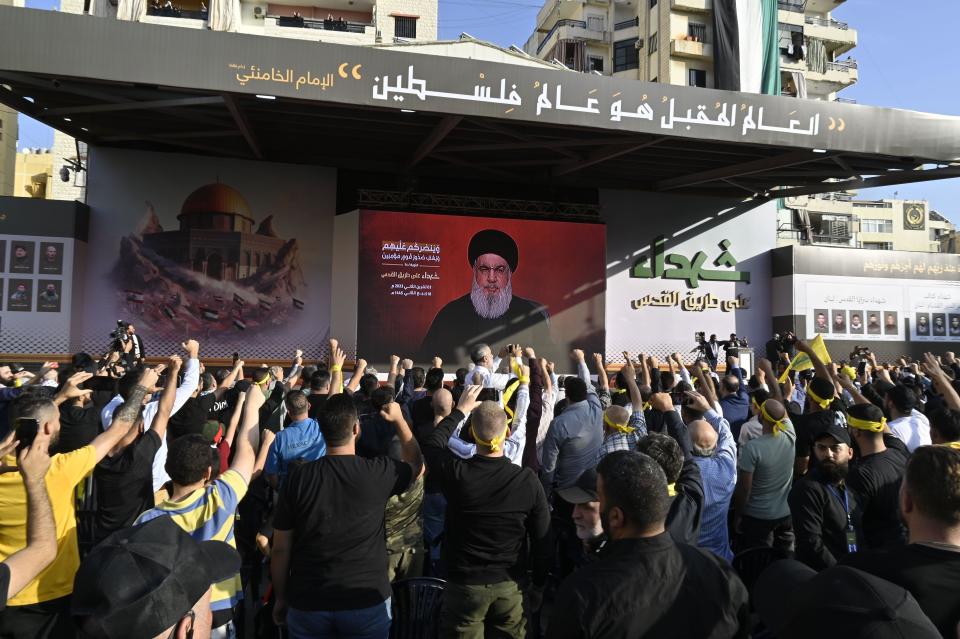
point(258, 13)
point(638, 44)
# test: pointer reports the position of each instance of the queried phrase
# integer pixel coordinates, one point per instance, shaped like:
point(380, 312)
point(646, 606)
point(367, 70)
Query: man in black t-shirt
point(124, 478)
point(875, 475)
point(929, 566)
point(329, 557)
point(319, 391)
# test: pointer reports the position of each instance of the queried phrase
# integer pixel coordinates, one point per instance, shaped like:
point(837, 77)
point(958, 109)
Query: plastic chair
point(751, 562)
point(416, 608)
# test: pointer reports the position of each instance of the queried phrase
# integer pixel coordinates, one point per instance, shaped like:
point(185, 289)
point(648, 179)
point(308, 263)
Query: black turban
point(496, 242)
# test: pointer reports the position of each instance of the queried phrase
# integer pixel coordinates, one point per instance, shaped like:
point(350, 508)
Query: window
point(697, 31)
point(697, 78)
point(626, 55)
point(595, 63)
point(879, 246)
point(404, 27)
point(876, 226)
point(653, 43)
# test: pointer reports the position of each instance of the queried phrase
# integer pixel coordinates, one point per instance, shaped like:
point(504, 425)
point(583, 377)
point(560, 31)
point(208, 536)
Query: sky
point(905, 52)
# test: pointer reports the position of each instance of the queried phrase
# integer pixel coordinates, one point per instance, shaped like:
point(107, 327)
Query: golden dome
point(216, 198)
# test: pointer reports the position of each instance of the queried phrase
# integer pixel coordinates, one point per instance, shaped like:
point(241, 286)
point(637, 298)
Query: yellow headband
point(618, 391)
point(646, 406)
point(672, 490)
point(753, 401)
point(494, 444)
point(622, 428)
point(953, 445)
point(823, 403)
point(779, 425)
point(863, 424)
point(507, 395)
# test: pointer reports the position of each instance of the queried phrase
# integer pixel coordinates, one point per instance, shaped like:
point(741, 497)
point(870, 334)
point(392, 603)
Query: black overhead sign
point(120, 51)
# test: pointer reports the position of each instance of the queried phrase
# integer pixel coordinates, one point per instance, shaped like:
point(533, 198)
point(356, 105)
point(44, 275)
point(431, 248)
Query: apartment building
point(839, 219)
point(34, 174)
point(672, 41)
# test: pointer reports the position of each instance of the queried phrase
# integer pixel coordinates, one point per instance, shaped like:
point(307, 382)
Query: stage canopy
point(119, 84)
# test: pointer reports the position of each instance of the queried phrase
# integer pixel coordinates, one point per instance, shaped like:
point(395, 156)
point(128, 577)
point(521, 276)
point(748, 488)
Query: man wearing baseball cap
point(490, 308)
point(826, 514)
point(150, 580)
point(586, 514)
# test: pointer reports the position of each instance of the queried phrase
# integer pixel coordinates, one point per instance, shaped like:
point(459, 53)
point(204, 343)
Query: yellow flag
point(801, 362)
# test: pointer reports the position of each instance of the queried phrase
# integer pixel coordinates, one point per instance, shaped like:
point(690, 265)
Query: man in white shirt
point(191, 378)
point(908, 425)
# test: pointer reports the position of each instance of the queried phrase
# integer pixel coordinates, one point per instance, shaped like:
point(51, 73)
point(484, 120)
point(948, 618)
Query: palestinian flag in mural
point(746, 53)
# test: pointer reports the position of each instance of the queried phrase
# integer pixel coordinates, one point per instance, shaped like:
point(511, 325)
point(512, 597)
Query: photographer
point(127, 344)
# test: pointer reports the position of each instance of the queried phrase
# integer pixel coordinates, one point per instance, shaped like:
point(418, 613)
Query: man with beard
point(923, 324)
point(490, 308)
point(839, 322)
point(645, 584)
point(873, 324)
point(826, 514)
point(586, 514)
point(939, 328)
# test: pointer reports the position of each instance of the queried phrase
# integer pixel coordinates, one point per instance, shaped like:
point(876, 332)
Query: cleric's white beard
point(491, 306)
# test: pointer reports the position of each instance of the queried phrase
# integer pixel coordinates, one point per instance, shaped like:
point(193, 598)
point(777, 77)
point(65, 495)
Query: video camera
point(120, 332)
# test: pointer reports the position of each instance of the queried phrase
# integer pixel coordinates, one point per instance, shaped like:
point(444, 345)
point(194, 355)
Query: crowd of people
point(662, 500)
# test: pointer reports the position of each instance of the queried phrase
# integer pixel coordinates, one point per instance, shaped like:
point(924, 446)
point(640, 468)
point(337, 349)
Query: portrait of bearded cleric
point(489, 312)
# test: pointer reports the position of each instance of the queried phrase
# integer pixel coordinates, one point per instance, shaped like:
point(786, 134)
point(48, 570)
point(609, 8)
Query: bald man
point(715, 454)
point(765, 474)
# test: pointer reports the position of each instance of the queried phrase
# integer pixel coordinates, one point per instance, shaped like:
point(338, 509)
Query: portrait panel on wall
point(48, 296)
point(21, 256)
point(856, 323)
point(890, 324)
point(51, 258)
point(953, 322)
point(939, 323)
point(874, 322)
point(923, 324)
point(838, 321)
point(20, 296)
point(821, 320)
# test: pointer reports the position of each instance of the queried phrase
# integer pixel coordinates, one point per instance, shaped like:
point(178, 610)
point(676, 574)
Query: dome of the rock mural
point(216, 198)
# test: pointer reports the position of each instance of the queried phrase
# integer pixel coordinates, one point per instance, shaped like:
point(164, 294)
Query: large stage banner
point(436, 284)
point(235, 254)
point(678, 265)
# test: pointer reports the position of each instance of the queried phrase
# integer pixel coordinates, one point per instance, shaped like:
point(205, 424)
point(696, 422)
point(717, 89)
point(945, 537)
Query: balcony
point(691, 49)
point(693, 6)
point(837, 37)
point(794, 6)
point(170, 11)
point(298, 22)
point(834, 77)
point(567, 29)
point(822, 6)
point(626, 29)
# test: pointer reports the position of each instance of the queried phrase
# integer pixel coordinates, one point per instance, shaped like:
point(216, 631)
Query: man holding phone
point(33, 461)
point(42, 608)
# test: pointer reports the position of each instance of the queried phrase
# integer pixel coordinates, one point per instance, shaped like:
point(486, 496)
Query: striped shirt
point(207, 514)
point(624, 441)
